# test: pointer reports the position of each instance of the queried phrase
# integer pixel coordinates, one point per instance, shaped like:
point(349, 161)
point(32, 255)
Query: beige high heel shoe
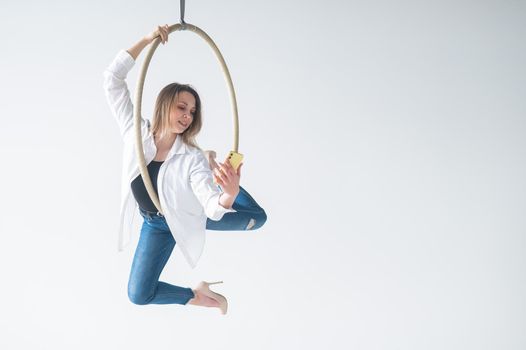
point(204, 288)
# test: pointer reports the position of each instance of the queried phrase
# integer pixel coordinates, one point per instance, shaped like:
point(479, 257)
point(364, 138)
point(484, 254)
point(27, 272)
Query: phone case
point(235, 159)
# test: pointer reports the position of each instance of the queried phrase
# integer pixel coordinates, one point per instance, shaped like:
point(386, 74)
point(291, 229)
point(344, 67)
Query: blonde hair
point(164, 104)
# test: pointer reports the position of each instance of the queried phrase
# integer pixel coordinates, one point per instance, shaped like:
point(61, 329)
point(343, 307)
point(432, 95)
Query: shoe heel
point(210, 283)
point(204, 288)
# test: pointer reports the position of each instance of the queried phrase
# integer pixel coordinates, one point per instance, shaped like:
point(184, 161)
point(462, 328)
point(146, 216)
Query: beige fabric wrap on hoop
point(138, 102)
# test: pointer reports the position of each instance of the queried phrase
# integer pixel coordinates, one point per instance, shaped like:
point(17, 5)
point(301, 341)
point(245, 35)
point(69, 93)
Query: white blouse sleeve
point(116, 90)
point(206, 191)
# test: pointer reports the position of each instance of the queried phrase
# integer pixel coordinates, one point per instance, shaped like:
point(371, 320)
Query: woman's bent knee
point(138, 297)
point(257, 221)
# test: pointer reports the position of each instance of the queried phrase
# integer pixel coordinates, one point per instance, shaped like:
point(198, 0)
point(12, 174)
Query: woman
point(195, 192)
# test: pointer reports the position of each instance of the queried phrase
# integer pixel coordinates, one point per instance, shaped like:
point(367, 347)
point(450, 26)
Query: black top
point(139, 190)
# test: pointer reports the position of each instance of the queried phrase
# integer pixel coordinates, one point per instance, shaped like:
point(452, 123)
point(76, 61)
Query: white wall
point(384, 139)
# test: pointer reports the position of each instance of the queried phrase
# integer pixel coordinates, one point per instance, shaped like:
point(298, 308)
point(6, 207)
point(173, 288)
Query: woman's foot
point(203, 296)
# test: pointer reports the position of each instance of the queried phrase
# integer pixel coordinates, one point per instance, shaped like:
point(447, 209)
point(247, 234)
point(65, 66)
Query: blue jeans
point(156, 244)
point(248, 216)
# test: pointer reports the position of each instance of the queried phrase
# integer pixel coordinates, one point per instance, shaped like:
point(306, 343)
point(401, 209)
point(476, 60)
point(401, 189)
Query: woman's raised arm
point(136, 49)
point(115, 86)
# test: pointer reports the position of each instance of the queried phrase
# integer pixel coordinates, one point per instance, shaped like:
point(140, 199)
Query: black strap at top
point(182, 12)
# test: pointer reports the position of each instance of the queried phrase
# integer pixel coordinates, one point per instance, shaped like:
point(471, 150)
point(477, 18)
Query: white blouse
point(185, 184)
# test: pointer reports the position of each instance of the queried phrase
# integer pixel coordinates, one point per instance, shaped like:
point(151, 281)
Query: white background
point(385, 140)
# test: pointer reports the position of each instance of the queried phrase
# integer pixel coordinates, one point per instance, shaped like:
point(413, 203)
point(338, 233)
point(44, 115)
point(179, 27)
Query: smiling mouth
point(184, 125)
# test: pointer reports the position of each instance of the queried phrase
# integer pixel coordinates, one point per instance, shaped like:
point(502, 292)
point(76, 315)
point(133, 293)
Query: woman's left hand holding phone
point(226, 177)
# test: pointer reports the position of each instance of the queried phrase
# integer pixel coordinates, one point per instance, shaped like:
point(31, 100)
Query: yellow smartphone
point(235, 159)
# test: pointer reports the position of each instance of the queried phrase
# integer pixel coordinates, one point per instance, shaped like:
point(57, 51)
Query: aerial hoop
point(138, 100)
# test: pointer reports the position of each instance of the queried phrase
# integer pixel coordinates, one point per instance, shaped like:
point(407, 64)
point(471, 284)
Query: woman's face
point(182, 113)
